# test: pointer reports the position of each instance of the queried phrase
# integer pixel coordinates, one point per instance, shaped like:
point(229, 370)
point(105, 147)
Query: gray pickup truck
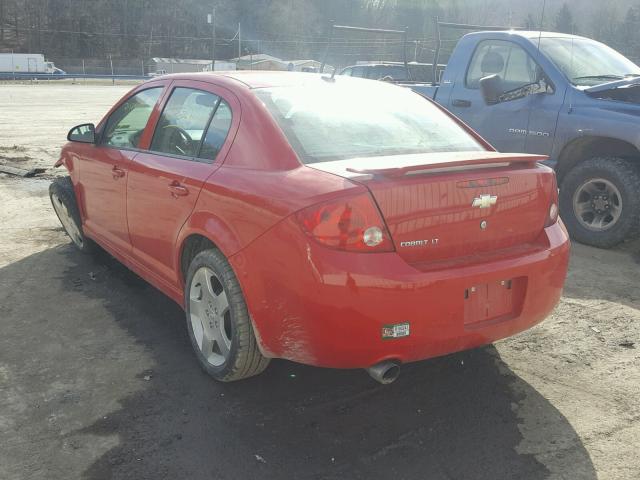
point(568, 97)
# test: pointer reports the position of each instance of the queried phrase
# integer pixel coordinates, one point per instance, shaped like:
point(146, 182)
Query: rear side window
point(216, 133)
point(183, 122)
point(358, 72)
point(125, 126)
point(395, 72)
point(506, 59)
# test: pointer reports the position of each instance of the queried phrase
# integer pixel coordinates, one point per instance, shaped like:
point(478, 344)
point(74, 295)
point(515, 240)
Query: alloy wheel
point(210, 316)
point(597, 204)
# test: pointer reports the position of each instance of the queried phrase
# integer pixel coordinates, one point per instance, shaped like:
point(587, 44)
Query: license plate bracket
point(492, 300)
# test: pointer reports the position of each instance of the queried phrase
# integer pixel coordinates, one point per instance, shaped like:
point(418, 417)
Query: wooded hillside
point(128, 29)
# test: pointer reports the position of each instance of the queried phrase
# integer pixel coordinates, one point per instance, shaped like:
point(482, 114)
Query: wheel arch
point(194, 241)
point(189, 248)
point(586, 147)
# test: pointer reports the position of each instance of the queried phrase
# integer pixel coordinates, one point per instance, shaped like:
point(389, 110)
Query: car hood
point(626, 90)
point(624, 83)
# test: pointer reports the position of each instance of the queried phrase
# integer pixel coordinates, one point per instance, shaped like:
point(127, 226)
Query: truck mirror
point(491, 89)
point(85, 133)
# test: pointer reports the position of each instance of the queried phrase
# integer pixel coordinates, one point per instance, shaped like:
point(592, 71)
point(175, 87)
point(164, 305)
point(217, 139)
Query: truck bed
point(426, 89)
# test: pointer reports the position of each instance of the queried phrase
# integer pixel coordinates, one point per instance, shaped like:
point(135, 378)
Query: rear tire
point(218, 320)
point(600, 201)
point(63, 200)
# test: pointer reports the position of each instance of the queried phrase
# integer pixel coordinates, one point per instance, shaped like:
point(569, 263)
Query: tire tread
point(63, 187)
point(626, 174)
point(248, 361)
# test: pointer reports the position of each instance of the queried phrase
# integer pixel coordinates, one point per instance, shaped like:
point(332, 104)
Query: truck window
point(359, 72)
point(587, 62)
point(506, 59)
point(396, 72)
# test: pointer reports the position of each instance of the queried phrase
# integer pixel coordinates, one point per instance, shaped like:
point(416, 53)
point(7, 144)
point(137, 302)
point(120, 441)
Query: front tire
point(218, 320)
point(600, 201)
point(63, 200)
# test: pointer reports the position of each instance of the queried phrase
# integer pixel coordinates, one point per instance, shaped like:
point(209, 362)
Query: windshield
point(358, 118)
point(587, 62)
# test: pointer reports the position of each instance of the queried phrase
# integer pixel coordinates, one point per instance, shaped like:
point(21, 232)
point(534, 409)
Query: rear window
point(392, 72)
point(350, 119)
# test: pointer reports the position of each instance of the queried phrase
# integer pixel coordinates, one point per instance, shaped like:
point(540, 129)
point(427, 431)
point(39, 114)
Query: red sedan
point(336, 222)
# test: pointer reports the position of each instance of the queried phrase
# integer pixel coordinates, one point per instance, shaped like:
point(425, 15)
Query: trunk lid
point(449, 206)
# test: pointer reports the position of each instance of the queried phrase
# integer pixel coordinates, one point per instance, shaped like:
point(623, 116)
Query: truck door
point(32, 65)
point(505, 124)
point(543, 119)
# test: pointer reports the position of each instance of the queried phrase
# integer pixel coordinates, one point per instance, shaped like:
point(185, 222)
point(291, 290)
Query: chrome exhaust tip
point(385, 372)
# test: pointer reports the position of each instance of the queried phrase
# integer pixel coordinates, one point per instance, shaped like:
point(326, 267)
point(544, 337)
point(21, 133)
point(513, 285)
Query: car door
point(104, 168)
point(190, 139)
point(505, 124)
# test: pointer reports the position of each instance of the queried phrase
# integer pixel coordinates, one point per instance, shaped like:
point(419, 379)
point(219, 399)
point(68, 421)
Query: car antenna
point(544, 5)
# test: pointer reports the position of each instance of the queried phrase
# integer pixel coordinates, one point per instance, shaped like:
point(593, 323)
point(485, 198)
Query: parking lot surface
point(97, 377)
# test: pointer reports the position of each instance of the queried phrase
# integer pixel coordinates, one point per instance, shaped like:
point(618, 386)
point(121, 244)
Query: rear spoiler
point(491, 158)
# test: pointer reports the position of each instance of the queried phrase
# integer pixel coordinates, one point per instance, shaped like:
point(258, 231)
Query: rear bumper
point(327, 308)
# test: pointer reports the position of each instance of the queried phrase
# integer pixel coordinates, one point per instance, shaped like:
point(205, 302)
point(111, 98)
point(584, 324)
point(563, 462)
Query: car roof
point(528, 34)
point(258, 79)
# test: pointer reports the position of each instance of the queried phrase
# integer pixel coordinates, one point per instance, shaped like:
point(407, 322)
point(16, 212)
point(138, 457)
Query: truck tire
point(218, 320)
point(600, 201)
point(63, 200)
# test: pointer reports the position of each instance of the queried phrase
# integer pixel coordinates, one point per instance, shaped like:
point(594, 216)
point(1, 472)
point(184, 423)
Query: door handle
point(117, 172)
point(178, 190)
point(461, 103)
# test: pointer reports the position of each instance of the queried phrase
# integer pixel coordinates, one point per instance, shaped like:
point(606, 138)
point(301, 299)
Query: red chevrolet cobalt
point(336, 222)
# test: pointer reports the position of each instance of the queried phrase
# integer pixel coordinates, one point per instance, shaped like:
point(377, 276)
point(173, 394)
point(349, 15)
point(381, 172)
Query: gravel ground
point(97, 379)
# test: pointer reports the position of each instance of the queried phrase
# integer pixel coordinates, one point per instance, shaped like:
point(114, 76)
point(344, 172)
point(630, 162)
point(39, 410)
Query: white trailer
point(26, 63)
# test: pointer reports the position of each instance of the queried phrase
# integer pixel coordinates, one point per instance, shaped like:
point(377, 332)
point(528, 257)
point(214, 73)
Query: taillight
point(353, 224)
point(552, 214)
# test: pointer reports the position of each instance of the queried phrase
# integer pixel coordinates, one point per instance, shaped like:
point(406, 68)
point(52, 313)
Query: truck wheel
point(63, 199)
point(600, 201)
point(218, 321)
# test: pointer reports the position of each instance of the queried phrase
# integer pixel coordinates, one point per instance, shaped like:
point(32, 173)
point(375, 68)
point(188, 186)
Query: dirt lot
point(97, 379)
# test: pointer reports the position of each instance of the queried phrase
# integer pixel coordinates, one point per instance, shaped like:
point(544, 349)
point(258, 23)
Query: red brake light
point(552, 213)
point(353, 224)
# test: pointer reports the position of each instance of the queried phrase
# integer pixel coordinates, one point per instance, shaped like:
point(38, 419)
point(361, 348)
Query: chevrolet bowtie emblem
point(484, 201)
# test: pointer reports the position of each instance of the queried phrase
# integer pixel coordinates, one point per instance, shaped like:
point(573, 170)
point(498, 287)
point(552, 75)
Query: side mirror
point(491, 89)
point(85, 133)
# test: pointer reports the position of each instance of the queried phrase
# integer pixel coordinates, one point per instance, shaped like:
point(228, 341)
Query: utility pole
point(150, 41)
point(113, 80)
point(239, 41)
point(211, 18)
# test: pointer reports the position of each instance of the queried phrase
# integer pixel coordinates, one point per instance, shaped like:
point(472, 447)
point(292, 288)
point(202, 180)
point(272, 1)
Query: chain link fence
point(104, 66)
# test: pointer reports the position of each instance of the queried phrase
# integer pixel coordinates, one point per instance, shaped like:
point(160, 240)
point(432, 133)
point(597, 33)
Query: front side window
point(506, 59)
point(125, 126)
point(351, 118)
point(183, 122)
